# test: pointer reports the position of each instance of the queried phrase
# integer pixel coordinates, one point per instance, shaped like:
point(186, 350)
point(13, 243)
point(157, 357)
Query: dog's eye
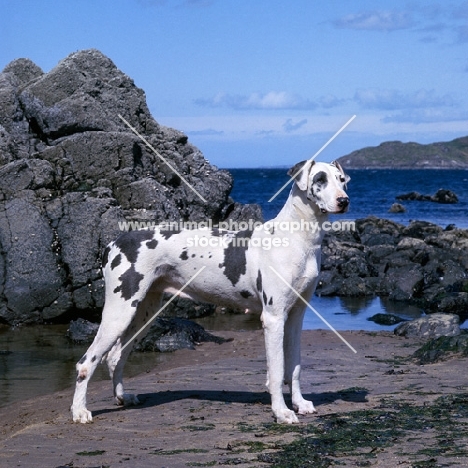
point(342, 179)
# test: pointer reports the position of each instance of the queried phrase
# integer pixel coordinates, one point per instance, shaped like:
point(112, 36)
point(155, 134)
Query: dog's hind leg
point(117, 356)
point(292, 354)
point(110, 332)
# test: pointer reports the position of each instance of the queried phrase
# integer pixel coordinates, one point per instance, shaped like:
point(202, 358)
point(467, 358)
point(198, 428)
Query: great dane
point(141, 265)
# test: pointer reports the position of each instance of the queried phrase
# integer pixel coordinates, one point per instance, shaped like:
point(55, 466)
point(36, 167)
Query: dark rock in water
point(442, 348)
point(82, 331)
point(165, 334)
point(444, 196)
point(386, 319)
point(413, 196)
point(430, 326)
point(171, 334)
point(397, 208)
point(441, 196)
point(71, 171)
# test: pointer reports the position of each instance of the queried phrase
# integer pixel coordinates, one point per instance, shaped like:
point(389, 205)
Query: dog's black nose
point(343, 202)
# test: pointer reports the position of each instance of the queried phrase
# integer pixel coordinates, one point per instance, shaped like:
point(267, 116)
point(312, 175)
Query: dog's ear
point(338, 166)
point(300, 173)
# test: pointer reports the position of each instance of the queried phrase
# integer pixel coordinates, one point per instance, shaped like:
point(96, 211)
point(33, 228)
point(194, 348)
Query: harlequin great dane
point(141, 265)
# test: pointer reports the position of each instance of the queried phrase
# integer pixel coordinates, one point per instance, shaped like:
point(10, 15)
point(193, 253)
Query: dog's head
point(322, 183)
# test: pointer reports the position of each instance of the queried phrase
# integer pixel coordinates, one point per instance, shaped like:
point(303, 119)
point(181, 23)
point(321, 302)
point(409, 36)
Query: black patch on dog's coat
point(167, 233)
point(152, 244)
point(270, 302)
point(259, 281)
point(130, 283)
point(183, 255)
point(116, 261)
point(319, 182)
point(265, 299)
point(135, 303)
point(234, 256)
point(130, 242)
point(246, 294)
point(320, 179)
point(296, 170)
point(93, 358)
point(83, 359)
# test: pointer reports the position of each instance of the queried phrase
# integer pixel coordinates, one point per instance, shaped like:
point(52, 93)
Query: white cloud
point(263, 101)
point(389, 99)
point(425, 116)
point(206, 132)
point(376, 21)
point(328, 101)
point(272, 100)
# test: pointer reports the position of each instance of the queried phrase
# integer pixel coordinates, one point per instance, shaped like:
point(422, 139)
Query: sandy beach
point(209, 407)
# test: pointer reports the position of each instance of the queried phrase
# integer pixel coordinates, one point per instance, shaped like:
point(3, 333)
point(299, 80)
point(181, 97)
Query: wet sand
point(209, 407)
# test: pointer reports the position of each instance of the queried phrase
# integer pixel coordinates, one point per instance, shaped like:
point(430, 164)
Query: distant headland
point(397, 155)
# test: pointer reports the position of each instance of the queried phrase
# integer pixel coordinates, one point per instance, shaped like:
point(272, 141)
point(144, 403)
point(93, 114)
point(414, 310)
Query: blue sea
point(372, 192)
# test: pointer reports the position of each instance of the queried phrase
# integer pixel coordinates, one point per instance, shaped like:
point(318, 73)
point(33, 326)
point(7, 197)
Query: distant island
point(397, 155)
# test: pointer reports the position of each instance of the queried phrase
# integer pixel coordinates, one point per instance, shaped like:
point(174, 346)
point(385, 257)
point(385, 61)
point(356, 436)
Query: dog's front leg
point(292, 353)
point(273, 326)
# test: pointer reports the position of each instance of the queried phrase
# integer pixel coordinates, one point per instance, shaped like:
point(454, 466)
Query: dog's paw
point(286, 416)
point(127, 399)
point(304, 407)
point(82, 416)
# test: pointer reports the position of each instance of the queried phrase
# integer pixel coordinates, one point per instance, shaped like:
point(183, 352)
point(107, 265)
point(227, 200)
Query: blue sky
point(268, 82)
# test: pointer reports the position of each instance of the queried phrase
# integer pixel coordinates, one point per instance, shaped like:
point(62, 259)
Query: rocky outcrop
point(442, 349)
point(71, 171)
point(430, 327)
point(82, 331)
point(421, 264)
point(397, 155)
point(441, 196)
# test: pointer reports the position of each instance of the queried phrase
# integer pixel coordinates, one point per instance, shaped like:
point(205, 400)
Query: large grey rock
point(430, 326)
point(71, 172)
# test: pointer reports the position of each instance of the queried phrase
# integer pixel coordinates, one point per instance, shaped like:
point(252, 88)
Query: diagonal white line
point(313, 310)
point(163, 307)
point(156, 152)
point(312, 158)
